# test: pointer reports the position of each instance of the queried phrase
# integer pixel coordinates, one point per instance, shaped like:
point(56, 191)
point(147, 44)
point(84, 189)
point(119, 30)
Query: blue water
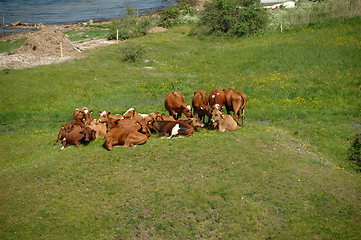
point(73, 11)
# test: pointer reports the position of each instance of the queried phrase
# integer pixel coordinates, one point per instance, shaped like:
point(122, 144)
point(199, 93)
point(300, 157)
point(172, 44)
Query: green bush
point(354, 152)
point(232, 18)
point(132, 53)
point(171, 16)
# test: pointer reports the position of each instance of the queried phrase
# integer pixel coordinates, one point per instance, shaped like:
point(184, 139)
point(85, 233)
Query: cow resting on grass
point(224, 122)
point(78, 136)
point(123, 138)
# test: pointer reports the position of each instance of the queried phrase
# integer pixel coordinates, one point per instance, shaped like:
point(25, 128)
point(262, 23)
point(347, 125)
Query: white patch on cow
point(213, 96)
point(217, 106)
point(217, 93)
point(103, 113)
point(130, 109)
point(64, 139)
point(86, 111)
point(175, 130)
point(61, 148)
point(144, 115)
point(189, 107)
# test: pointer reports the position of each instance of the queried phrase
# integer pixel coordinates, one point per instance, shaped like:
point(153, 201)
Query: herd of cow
point(133, 128)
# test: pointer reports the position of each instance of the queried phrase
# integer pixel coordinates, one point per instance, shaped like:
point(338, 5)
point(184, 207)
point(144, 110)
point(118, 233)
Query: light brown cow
point(175, 106)
point(124, 137)
point(171, 128)
point(99, 128)
point(132, 114)
point(236, 102)
point(224, 122)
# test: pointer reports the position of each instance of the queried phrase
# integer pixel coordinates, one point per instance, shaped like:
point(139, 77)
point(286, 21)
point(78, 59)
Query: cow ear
point(81, 132)
point(117, 121)
point(91, 111)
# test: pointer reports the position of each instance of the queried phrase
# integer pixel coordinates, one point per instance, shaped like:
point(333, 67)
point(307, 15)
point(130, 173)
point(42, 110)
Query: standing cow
point(200, 105)
point(236, 102)
point(174, 104)
point(217, 99)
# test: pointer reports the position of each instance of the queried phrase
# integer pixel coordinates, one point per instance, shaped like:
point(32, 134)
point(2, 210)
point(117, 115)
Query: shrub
point(175, 15)
point(354, 152)
point(233, 17)
point(132, 53)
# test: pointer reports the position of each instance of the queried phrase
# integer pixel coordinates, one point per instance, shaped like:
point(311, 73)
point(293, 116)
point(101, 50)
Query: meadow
point(284, 175)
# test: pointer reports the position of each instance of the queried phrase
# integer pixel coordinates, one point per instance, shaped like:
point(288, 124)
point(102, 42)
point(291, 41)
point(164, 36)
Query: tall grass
point(314, 12)
point(282, 176)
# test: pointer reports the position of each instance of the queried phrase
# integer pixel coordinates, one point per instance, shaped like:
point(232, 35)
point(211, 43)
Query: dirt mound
point(48, 42)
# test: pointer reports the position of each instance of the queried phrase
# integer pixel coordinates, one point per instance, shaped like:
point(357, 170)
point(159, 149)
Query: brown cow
point(78, 136)
point(224, 122)
point(194, 122)
point(175, 106)
point(104, 116)
point(236, 102)
point(68, 127)
point(132, 114)
point(200, 105)
point(217, 99)
point(82, 115)
point(130, 124)
point(124, 137)
point(171, 129)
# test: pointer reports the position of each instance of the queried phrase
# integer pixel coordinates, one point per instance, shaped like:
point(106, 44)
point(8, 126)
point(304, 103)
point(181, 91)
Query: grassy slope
point(281, 176)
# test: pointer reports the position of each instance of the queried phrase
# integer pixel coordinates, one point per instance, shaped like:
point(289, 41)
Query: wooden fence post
point(281, 27)
point(61, 50)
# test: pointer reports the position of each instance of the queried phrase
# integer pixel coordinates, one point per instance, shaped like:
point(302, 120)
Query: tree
point(233, 17)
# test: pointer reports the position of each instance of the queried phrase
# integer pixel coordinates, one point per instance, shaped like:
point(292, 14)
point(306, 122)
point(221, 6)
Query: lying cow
point(67, 128)
point(194, 122)
point(175, 106)
point(78, 136)
point(105, 116)
point(171, 128)
point(236, 102)
point(124, 137)
point(224, 122)
point(99, 128)
point(83, 115)
point(132, 114)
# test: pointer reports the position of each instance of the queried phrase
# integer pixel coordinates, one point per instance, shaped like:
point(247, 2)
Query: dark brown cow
point(175, 106)
point(217, 99)
point(224, 122)
point(78, 136)
point(124, 137)
point(236, 102)
point(200, 105)
point(171, 129)
point(68, 127)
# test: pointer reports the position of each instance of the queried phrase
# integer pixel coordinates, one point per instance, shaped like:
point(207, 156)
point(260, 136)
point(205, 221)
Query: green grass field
point(282, 176)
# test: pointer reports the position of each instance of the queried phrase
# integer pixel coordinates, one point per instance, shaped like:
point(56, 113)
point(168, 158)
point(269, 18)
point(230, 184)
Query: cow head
point(110, 142)
point(103, 116)
point(217, 115)
point(89, 134)
point(129, 113)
